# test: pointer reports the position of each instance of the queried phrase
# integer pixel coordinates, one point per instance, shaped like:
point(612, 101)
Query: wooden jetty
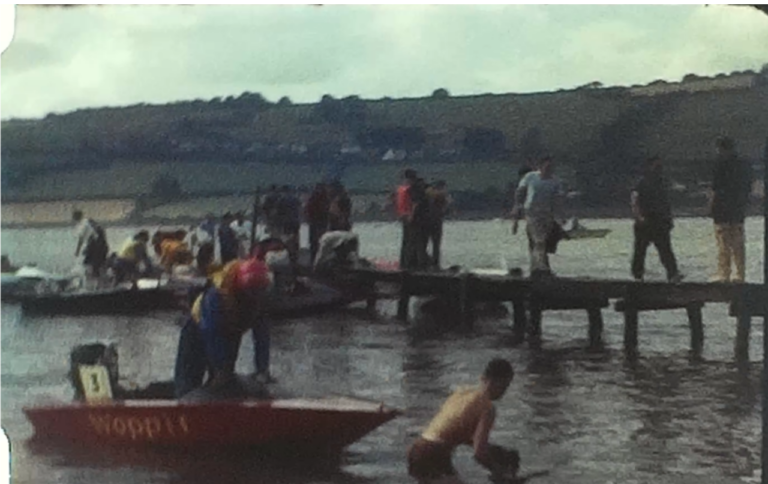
point(530, 298)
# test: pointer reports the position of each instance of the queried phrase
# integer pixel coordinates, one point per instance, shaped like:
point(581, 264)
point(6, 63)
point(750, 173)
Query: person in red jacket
point(404, 208)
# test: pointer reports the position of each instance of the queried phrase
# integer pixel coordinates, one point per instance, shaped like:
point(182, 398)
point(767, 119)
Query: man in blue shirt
point(540, 197)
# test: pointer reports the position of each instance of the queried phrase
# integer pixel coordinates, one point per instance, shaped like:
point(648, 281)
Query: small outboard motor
point(93, 354)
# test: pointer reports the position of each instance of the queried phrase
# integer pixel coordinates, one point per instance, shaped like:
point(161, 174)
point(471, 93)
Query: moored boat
point(292, 424)
point(241, 412)
point(143, 298)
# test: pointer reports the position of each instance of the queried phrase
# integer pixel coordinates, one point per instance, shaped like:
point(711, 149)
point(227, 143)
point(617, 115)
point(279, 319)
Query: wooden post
point(743, 327)
point(405, 298)
point(464, 303)
point(520, 319)
point(595, 315)
point(697, 328)
point(630, 325)
point(534, 326)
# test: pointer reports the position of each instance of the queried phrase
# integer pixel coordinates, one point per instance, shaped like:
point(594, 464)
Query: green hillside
point(477, 143)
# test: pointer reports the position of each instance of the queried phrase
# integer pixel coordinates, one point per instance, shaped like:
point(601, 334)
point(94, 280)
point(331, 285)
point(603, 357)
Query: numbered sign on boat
point(95, 380)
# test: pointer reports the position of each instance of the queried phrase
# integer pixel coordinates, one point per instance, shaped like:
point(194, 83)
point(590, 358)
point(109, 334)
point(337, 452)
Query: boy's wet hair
point(498, 369)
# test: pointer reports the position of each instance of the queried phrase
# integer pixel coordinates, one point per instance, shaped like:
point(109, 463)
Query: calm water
point(590, 418)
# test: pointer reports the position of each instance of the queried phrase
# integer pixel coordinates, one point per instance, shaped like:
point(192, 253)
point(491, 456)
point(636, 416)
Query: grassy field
point(592, 131)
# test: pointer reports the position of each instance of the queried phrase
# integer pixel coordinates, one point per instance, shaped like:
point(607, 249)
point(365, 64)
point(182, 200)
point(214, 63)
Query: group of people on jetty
point(540, 200)
point(236, 298)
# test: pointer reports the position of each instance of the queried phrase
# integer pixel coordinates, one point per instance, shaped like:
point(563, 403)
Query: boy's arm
point(480, 442)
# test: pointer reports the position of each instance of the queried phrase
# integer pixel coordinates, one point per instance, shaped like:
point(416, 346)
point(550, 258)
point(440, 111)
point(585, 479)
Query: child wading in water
point(465, 418)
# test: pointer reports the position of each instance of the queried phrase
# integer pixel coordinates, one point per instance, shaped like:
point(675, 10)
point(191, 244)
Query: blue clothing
point(261, 344)
point(221, 344)
point(191, 362)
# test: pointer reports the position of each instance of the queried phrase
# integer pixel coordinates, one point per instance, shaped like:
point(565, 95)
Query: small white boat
point(575, 231)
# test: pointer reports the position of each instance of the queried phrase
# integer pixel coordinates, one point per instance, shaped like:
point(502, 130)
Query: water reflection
point(545, 392)
point(692, 416)
point(205, 466)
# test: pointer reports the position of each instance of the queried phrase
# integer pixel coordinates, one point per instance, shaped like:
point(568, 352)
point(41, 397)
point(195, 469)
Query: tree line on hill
point(221, 129)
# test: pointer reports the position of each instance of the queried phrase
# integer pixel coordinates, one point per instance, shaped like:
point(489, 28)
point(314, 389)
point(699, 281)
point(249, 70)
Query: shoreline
point(187, 221)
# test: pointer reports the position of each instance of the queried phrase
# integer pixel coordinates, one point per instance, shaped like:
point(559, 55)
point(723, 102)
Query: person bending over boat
point(92, 239)
point(467, 418)
point(232, 303)
point(133, 254)
point(172, 249)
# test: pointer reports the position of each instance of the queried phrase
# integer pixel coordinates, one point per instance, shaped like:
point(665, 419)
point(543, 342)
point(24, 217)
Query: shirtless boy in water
point(465, 418)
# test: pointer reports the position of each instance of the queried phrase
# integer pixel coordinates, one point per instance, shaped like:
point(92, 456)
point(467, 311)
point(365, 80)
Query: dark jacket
point(732, 184)
point(653, 200)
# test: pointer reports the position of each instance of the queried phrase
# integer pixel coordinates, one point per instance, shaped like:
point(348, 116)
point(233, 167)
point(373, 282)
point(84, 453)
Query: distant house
point(742, 80)
point(394, 155)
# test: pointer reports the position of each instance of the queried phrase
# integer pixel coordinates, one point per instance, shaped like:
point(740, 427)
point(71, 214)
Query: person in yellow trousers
point(731, 187)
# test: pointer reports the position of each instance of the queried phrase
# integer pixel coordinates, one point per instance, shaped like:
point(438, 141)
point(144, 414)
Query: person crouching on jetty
point(466, 418)
point(133, 255)
point(210, 341)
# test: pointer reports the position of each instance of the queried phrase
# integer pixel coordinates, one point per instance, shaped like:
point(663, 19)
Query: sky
point(66, 59)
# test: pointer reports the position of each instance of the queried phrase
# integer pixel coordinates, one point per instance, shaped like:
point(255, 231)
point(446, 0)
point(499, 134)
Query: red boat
point(300, 425)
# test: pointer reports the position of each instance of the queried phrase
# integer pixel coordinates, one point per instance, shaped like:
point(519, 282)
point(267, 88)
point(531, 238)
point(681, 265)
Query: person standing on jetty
point(269, 210)
point(92, 240)
point(653, 221)
point(316, 215)
point(466, 418)
point(731, 187)
point(242, 228)
point(540, 197)
point(340, 209)
point(404, 208)
point(524, 170)
point(439, 200)
point(229, 247)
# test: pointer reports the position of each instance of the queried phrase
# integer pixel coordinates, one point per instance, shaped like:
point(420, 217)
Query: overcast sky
point(64, 59)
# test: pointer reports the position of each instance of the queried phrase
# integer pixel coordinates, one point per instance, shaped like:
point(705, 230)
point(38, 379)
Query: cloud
point(64, 59)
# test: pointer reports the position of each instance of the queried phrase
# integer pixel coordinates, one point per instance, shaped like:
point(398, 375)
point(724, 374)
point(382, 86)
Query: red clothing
point(403, 201)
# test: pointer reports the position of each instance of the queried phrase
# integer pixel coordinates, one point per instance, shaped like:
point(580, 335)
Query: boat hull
point(299, 425)
point(321, 297)
point(112, 301)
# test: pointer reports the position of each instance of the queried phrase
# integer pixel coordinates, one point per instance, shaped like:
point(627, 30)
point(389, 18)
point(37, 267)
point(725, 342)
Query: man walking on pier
point(653, 221)
point(731, 186)
point(540, 197)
